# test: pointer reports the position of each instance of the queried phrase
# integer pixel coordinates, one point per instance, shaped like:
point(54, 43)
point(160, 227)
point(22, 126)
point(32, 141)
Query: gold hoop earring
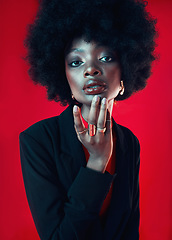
point(122, 88)
point(115, 102)
point(72, 96)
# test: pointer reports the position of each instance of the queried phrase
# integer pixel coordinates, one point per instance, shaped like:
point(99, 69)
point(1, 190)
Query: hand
point(100, 145)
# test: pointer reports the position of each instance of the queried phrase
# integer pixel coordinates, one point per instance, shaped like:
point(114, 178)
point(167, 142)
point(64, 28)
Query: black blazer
point(65, 197)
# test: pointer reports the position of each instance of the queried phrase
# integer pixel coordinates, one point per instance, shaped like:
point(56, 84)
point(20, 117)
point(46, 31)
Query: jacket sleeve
point(132, 228)
point(60, 215)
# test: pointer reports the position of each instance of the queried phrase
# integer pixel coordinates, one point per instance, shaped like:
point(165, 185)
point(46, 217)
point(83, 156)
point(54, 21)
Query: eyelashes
point(108, 59)
point(111, 59)
point(71, 64)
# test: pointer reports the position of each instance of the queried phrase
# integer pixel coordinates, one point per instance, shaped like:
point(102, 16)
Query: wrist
point(96, 165)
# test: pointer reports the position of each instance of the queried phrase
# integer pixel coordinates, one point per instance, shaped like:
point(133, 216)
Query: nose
point(92, 71)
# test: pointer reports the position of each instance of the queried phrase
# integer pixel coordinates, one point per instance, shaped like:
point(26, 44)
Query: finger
point(93, 114)
point(102, 114)
point(78, 123)
point(108, 122)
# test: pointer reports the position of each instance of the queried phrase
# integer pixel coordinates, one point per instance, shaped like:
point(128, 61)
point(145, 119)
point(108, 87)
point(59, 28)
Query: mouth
point(93, 87)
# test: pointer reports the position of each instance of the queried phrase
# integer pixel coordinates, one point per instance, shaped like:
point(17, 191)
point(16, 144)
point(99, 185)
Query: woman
point(81, 168)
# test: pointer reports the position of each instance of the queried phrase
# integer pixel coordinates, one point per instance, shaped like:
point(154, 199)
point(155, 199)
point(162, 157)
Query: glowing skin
point(94, 76)
point(86, 61)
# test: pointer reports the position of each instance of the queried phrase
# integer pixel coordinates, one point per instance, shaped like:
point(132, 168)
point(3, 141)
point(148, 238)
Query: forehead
point(82, 42)
point(81, 45)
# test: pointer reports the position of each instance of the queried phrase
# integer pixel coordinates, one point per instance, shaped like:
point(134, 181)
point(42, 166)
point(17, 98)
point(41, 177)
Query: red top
point(109, 168)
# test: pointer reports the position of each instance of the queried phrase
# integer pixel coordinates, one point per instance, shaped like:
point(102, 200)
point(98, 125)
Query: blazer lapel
point(120, 205)
point(75, 158)
point(70, 145)
point(73, 147)
point(121, 148)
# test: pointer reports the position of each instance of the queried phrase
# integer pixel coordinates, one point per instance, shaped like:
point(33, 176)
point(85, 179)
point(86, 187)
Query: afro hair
point(123, 25)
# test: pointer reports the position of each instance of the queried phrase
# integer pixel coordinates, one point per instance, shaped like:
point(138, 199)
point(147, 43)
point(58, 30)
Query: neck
point(85, 109)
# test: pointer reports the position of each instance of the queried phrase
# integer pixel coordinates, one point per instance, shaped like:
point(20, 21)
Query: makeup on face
point(92, 69)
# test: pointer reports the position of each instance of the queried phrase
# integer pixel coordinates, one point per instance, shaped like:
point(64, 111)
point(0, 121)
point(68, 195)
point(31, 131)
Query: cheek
point(114, 75)
point(69, 76)
point(72, 80)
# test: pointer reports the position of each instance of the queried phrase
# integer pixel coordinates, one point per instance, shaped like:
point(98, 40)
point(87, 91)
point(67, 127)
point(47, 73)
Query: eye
point(75, 63)
point(107, 59)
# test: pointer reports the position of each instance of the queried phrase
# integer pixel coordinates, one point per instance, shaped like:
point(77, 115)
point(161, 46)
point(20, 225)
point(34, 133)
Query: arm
point(132, 228)
point(60, 215)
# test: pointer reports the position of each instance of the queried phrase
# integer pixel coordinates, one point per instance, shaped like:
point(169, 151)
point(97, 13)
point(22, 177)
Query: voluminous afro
point(123, 25)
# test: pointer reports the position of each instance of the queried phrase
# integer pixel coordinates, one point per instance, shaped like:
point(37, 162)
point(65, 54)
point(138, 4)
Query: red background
point(148, 114)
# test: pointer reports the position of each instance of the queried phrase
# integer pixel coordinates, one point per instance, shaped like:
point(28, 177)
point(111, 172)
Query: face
point(92, 69)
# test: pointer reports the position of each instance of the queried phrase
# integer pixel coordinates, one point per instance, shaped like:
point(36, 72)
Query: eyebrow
point(82, 50)
point(75, 50)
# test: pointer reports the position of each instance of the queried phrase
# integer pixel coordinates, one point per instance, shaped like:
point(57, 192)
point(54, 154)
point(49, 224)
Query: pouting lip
point(94, 82)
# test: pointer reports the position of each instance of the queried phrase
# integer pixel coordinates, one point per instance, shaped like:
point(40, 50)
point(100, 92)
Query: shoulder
point(129, 146)
point(49, 126)
point(47, 131)
point(127, 136)
point(40, 138)
point(42, 128)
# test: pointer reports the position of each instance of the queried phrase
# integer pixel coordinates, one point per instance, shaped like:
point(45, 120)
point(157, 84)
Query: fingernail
point(104, 101)
point(95, 98)
point(75, 109)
